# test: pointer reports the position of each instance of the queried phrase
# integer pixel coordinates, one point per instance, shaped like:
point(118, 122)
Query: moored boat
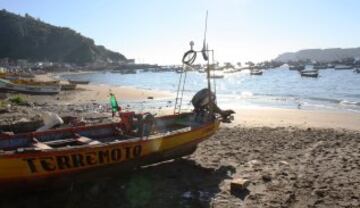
point(256, 72)
point(6, 85)
point(309, 73)
point(342, 67)
point(297, 68)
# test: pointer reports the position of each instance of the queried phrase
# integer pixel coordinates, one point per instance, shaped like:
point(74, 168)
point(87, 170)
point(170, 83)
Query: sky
point(159, 31)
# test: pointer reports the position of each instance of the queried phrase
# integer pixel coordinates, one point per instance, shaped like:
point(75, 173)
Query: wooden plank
point(42, 146)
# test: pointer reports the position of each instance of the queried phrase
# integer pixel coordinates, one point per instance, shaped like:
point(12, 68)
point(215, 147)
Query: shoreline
point(161, 103)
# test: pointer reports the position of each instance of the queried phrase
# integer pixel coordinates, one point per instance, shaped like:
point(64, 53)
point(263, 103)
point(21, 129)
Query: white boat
point(217, 74)
point(6, 85)
point(309, 73)
point(256, 72)
point(342, 67)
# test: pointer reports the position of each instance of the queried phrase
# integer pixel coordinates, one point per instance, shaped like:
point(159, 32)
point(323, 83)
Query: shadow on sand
point(180, 183)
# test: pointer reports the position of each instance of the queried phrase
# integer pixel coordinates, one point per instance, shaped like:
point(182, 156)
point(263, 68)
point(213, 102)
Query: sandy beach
point(292, 158)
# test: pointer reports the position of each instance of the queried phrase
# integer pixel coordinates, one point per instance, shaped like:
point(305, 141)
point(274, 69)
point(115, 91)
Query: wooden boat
point(33, 82)
point(65, 87)
point(83, 82)
point(15, 76)
point(6, 85)
point(51, 156)
point(36, 157)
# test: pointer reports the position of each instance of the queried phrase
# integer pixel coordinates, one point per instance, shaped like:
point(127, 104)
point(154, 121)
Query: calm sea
point(280, 87)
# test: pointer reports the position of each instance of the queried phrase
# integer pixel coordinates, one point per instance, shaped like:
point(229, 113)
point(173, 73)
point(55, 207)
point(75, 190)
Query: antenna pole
point(205, 47)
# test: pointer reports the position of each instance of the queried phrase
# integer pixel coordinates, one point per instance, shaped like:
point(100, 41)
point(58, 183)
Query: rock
point(283, 162)
point(239, 184)
point(266, 178)
point(320, 192)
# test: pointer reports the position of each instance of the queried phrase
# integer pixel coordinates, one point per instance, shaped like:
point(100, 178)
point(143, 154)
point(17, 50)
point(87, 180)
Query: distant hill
point(29, 38)
point(320, 55)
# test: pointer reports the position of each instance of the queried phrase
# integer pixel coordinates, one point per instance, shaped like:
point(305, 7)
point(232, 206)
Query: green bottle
point(113, 103)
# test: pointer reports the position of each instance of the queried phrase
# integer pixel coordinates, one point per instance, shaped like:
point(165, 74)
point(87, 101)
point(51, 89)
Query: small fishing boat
point(342, 67)
point(297, 68)
point(6, 85)
point(310, 73)
point(60, 155)
point(66, 87)
point(13, 76)
point(320, 66)
point(256, 72)
point(33, 82)
point(80, 82)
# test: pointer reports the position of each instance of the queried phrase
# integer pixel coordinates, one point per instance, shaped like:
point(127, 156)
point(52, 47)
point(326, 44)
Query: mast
point(205, 50)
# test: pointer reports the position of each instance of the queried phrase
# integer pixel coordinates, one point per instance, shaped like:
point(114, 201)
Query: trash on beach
point(239, 184)
point(50, 120)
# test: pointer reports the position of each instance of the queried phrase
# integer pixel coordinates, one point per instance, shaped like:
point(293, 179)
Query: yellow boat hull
point(32, 167)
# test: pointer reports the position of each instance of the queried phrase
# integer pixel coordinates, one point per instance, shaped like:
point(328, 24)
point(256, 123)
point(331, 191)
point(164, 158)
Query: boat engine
point(202, 105)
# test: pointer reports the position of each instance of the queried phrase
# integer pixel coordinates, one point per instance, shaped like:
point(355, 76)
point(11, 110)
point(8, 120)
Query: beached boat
point(51, 156)
point(83, 82)
point(14, 76)
point(33, 82)
point(65, 87)
point(43, 157)
point(6, 85)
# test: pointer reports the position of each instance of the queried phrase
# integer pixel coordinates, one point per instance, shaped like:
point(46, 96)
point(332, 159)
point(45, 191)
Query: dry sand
point(287, 167)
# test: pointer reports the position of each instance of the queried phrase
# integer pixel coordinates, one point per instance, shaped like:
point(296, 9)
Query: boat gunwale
point(86, 147)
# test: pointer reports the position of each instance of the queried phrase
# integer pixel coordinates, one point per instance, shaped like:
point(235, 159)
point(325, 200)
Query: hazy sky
point(158, 31)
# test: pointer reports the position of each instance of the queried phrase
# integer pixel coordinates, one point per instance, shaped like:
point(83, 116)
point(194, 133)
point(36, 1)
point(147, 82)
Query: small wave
point(331, 100)
point(351, 103)
point(246, 94)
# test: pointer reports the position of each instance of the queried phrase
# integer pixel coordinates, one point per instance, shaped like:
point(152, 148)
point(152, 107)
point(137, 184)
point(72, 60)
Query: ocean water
point(282, 88)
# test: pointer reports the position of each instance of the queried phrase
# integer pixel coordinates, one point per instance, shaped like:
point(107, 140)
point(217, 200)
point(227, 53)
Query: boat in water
point(9, 86)
point(310, 73)
point(256, 72)
point(297, 68)
point(67, 154)
point(342, 67)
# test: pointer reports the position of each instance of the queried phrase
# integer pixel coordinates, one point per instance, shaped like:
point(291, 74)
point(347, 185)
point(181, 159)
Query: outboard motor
point(202, 105)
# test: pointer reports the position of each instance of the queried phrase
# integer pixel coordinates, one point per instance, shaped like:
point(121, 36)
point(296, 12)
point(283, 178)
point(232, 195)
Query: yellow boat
point(60, 155)
point(46, 157)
